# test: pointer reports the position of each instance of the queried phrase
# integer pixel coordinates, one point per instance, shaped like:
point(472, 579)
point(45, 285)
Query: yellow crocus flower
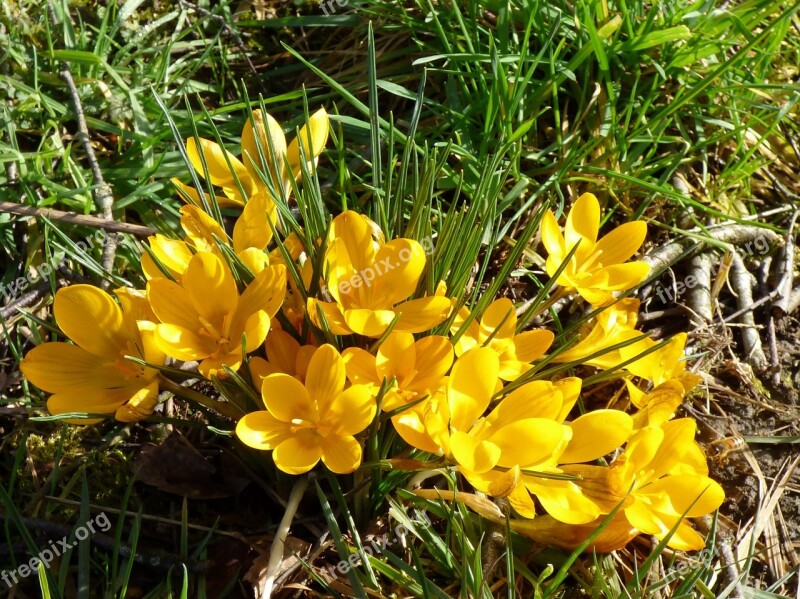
point(93, 375)
point(284, 355)
point(224, 168)
point(204, 317)
point(659, 476)
point(596, 269)
point(370, 281)
point(304, 423)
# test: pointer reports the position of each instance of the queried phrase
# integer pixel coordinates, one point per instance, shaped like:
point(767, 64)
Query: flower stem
point(278, 543)
point(225, 409)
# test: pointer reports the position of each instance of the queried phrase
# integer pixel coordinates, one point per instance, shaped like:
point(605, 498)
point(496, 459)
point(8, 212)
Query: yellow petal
point(261, 430)
point(621, 243)
point(396, 272)
point(201, 229)
point(255, 331)
point(282, 350)
point(553, 241)
point(299, 453)
point(499, 320)
point(434, 356)
point(140, 405)
point(211, 288)
point(412, 430)
point(420, 315)
point(700, 492)
point(570, 388)
point(91, 401)
point(531, 345)
point(182, 343)
point(678, 437)
point(355, 231)
point(254, 259)
point(261, 369)
point(315, 132)
point(528, 442)
point(325, 378)
point(596, 434)
point(686, 539)
point(360, 366)
point(537, 399)
point(219, 173)
point(60, 367)
point(287, 399)
point(563, 500)
point(471, 386)
point(92, 319)
point(583, 223)
point(270, 137)
point(172, 304)
point(262, 298)
point(396, 356)
point(352, 410)
point(334, 319)
point(172, 253)
point(341, 455)
point(252, 228)
point(473, 454)
point(370, 323)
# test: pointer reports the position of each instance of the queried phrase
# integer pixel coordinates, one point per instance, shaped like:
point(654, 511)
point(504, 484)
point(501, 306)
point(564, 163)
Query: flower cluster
point(336, 339)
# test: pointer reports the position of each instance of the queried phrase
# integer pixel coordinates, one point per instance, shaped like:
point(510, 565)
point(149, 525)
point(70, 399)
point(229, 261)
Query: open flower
point(584, 439)
point(93, 375)
point(596, 269)
point(497, 330)
point(370, 281)
point(419, 368)
point(304, 423)
point(665, 472)
point(204, 317)
point(224, 169)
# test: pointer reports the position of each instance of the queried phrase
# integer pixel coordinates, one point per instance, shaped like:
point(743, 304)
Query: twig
point(785, 273)
point(101, 193)
point(741, 284)
point(699, 297)
point(85, 220)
